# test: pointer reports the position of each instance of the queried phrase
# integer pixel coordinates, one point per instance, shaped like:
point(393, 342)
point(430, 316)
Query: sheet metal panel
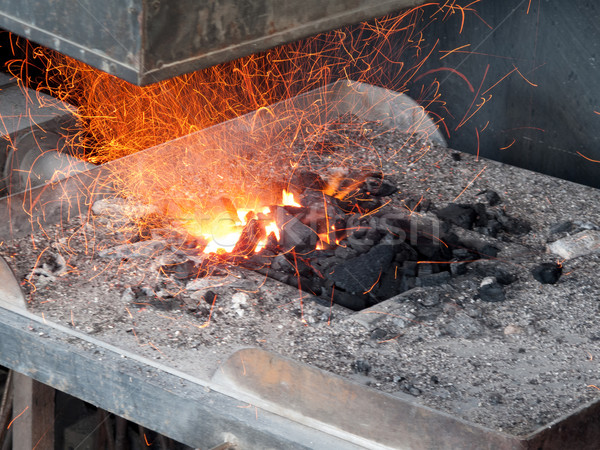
point(144, 41)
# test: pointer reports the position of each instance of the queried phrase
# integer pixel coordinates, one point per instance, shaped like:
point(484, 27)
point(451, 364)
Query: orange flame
point(119, 119)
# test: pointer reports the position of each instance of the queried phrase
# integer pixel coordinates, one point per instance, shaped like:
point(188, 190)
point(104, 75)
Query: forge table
point(189, 410)
point(251, 398)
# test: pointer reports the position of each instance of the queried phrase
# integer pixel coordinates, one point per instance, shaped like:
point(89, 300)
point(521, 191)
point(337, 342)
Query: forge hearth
point(496, 330)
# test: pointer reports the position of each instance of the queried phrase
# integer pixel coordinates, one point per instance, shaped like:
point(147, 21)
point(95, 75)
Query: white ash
point(580, 244)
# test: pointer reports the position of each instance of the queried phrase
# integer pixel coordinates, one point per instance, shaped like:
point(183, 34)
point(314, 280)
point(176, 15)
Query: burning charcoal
point(272, 244)
point(230, 208)
point(362, 367)
point(294, 234)
point(252, 234)
point(362, 273)
point(547, 273)
point(321, 214)
point(491, 291)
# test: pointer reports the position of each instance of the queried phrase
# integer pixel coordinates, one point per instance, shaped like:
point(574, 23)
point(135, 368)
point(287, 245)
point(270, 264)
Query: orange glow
point(222, 232)
point(185, 180)
point(288, 199)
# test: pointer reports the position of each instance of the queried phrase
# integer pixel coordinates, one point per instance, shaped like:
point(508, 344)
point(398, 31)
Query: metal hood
point(145, 41)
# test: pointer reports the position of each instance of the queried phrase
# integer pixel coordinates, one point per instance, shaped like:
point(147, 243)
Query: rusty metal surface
point(145, 41)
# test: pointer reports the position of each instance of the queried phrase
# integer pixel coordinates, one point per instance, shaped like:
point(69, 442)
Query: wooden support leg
point(33, 410)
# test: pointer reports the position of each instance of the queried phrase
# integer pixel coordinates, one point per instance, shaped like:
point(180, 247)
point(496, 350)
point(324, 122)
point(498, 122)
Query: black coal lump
point(361, 366)
point(513, 225)
point(182, 271)
point(463, 216)
point(360, 274)
point(547, 273)
point(562, 227)
point(491, 291)
point(305, 179)
point(491, 196)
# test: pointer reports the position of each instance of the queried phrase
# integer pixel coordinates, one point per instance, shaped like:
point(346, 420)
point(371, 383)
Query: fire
point(245, 165)
point(221, 234)
point(288, 199)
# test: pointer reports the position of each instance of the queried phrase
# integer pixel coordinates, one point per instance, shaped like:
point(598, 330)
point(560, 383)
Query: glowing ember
point(243, 165)
point(222, 233)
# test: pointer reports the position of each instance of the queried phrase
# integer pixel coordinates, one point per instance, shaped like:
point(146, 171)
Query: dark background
point(555, 45)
